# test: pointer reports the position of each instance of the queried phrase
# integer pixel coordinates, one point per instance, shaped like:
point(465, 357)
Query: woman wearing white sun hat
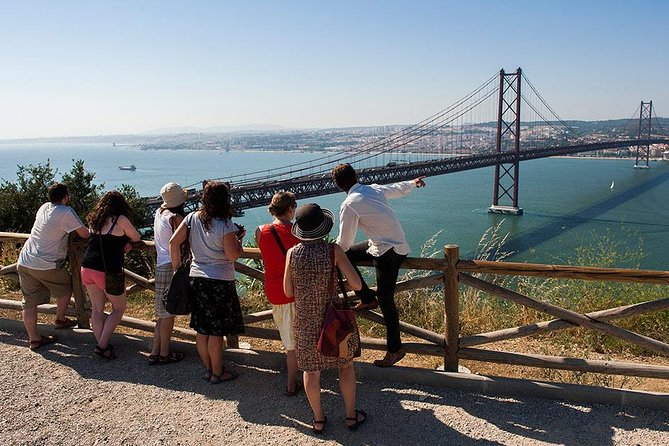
point(167, 219)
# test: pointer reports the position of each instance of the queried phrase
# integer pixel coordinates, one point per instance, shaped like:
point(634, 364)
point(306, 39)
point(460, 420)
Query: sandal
point(217, 379)
point(321, 422)
point(169, 359)
point(153, 359)
point(43, 340)
point(105, 353)
point(358, 421)
point(298, 388)
point(207, 374)
point(65, 323)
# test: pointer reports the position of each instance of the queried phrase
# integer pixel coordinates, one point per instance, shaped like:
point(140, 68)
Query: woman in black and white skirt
point(215, 244)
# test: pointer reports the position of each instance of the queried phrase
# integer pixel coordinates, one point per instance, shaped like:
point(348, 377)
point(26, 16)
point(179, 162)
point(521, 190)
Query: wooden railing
point(450, 273)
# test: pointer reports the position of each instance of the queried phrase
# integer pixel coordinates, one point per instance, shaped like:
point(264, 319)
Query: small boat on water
point(130, 167)
point(613, 184)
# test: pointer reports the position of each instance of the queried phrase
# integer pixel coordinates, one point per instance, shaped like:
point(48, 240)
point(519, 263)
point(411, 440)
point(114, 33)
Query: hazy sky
point(94, 67)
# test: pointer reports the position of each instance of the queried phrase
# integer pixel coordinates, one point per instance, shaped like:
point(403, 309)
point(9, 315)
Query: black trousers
point(387, 269)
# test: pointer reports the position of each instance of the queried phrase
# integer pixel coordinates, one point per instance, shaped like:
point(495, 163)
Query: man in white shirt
point(41, 264)
point(367, 206)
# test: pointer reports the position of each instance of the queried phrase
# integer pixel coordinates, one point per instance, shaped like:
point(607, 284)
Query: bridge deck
point(256, 194)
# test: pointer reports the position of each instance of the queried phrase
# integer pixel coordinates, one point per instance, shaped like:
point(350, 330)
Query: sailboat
point(613, 183)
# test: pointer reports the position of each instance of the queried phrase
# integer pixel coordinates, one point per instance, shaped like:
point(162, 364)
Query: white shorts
point(284, 315)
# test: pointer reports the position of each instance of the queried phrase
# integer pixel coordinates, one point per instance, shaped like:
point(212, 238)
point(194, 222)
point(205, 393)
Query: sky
point(72, 68)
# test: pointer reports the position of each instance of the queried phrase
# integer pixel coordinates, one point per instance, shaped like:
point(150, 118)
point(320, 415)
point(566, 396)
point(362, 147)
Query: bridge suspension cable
point(373, 148)
point(657, 123)
point(550, 109)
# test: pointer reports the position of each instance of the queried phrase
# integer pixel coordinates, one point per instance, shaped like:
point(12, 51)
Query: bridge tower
point(645, 127)
point(505, 195)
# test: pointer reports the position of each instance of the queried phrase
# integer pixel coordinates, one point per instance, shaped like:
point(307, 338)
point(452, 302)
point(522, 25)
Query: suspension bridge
point(482, 129)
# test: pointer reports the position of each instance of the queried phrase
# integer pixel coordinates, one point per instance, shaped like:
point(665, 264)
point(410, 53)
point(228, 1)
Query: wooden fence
point(453, 273)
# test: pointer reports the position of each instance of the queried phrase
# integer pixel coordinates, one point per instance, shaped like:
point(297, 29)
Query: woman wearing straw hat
point(310, 276)
point(168, 217)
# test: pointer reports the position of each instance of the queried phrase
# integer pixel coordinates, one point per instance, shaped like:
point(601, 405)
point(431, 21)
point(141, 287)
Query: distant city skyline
point(92, 68)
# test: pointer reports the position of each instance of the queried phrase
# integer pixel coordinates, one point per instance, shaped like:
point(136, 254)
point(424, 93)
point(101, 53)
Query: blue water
point(567, 202)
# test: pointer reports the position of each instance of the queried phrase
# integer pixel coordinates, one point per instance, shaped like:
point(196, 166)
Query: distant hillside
point(229, 135)
point(217, 129)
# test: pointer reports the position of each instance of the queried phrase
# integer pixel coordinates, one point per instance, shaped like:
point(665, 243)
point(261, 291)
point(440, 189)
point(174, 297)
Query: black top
point(113, 248)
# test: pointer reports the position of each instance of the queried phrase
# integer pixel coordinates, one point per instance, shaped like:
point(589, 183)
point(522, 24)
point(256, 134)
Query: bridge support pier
point(506, 210)
point(508, 137)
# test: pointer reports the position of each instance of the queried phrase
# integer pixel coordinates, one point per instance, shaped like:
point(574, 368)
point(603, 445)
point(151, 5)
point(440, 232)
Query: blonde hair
point(281, 203)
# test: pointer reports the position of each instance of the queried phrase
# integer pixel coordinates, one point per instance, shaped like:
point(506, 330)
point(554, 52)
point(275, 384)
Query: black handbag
point(115, 283)
point(176, 298)
point(114, 280)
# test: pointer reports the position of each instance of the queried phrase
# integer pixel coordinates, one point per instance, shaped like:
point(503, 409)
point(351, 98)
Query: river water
point(567, 202)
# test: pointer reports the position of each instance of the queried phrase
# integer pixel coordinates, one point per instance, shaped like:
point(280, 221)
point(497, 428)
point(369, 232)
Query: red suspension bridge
point(482, 129)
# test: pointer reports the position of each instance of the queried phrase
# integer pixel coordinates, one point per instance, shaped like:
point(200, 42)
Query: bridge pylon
point(505, 194)
point(645, 128)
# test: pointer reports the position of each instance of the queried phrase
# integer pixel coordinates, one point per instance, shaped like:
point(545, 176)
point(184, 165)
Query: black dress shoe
point(366, 305)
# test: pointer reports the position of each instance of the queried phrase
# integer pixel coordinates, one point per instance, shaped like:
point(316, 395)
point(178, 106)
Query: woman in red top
point(274, 240)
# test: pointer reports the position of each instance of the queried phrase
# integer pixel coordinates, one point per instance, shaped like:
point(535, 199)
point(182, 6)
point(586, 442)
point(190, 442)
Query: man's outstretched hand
point(419, 182)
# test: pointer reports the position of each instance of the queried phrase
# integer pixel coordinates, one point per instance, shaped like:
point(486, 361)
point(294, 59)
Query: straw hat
point(173, 195)
point(312, 222)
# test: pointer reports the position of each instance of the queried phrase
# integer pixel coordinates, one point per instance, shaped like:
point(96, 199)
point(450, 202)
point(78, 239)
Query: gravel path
point(65, 396)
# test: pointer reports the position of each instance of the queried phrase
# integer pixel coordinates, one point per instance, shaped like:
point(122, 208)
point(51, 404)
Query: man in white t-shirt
point(41, 264)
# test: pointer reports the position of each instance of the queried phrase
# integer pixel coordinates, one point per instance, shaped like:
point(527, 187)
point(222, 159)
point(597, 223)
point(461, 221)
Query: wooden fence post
point(451, 307)
point(232, 341)
point(76, 247)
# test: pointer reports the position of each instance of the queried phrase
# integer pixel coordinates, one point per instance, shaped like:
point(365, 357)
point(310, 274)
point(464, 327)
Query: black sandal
point(41, 342)
point(298, 388)
point(105, 353)
point(358, 422)
point(153, 359)
point(169, 359)
point(217, 379)
point(321, 422)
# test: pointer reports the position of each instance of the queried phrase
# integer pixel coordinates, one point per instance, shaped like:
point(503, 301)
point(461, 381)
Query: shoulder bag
point(340, 337)
point(177, 298)
point(114, 281)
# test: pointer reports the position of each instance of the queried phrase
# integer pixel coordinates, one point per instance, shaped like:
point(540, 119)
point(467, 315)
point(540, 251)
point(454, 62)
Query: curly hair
point(215, 203)
point(112, 204)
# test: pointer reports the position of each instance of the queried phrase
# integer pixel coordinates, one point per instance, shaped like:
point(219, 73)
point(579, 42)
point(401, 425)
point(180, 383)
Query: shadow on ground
point(400, 412)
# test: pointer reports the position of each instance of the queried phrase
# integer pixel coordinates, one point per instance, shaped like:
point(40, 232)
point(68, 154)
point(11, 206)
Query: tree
point(83, 192)
point(19, 201)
